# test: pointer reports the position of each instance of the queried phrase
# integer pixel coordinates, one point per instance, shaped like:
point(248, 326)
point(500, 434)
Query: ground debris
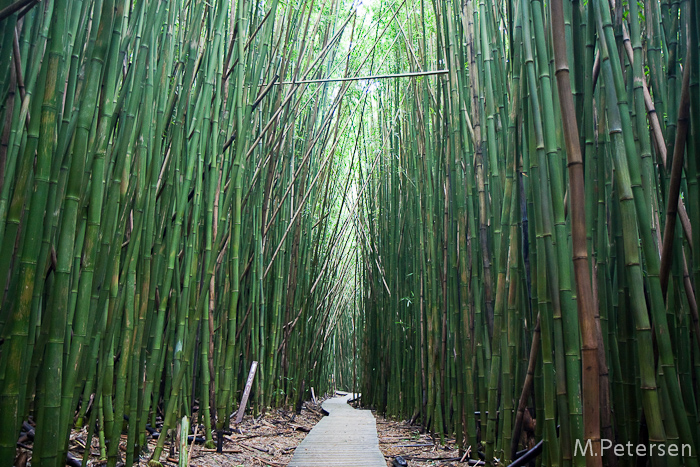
point(397, 438)
point(267, 440)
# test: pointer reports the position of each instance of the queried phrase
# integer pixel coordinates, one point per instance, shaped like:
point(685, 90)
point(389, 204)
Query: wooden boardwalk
point(345, 438)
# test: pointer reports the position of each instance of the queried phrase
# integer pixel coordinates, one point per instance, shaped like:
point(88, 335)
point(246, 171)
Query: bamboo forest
point(481, 215)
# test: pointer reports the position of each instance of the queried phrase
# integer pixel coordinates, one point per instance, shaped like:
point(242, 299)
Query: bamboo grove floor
point(272, 439)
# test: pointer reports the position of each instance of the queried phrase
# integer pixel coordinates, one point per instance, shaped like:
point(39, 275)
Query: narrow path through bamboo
point(346, 437)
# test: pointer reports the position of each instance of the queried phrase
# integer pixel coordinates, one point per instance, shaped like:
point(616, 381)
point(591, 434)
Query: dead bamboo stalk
point(361, 78)
point(246, 393)
point(584, 292)
point(674, 188)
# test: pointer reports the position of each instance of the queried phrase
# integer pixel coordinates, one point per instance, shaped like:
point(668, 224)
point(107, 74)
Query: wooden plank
point(246, 392)
point(345, 438)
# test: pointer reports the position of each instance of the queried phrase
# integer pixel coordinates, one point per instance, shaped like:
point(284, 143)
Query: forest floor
point(398, 438)
point(270, 440)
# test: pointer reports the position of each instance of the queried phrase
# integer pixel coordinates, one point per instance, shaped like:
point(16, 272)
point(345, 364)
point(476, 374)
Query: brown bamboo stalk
point(527, 388)
point(13, 7)
point(584, 292)
point(676, 172)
